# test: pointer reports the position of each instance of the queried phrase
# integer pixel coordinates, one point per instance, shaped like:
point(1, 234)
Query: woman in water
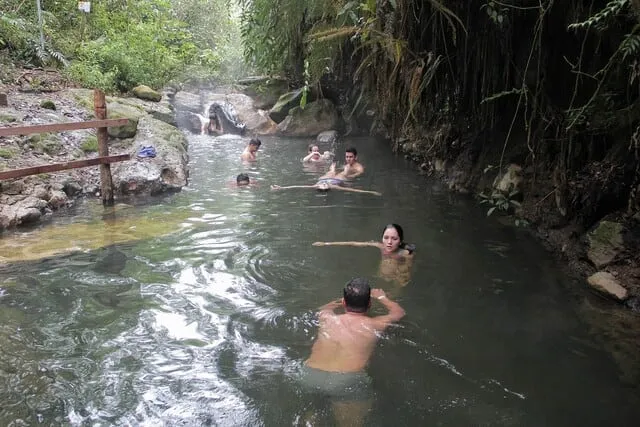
point(397, 256)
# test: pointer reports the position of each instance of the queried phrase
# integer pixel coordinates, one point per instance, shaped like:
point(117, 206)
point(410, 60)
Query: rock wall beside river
point(586, 221)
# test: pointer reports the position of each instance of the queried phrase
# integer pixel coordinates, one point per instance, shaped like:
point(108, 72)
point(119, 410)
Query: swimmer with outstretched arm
point(392, 243)
point(323, 185)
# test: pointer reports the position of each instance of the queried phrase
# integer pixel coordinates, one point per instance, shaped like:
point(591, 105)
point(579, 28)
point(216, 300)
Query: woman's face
point(390, 240)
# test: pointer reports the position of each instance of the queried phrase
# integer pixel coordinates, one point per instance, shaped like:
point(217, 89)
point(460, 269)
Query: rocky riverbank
point(154, 136)
point(43, 98)
point(581, 220)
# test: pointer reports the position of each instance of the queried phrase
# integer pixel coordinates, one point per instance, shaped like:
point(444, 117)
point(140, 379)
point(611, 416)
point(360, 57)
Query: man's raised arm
point(396, 312)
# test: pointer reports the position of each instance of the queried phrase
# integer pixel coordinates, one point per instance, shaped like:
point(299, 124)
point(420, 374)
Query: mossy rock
point(117, 110)
point(266, 92)
point(605, 242)
point(286, 102)
point(7, 153)
point(145, 92)
point(48, 104)
point(48, 143)
point(8, 118)
point(90, 145)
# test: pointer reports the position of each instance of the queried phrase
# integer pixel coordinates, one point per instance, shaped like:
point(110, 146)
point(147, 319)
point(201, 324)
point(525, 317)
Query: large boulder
point(285, 103)
point(315, 118)
point(605, 243)
point(119, 110)
point(328, 137)
point(265, 91)
point(145, 92)
point(29, 210)
point(167, 171)
point(511, 181)
point(255, 121)
point(187, 101)
point(608, 284)
point(226, 117)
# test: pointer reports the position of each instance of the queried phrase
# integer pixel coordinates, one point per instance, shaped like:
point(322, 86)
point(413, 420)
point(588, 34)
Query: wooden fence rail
point(61, 127)
point(55, 167)
point(104, 159)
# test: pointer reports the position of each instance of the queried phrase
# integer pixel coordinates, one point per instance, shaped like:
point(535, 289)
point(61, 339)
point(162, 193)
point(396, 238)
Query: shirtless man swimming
point(352, 168)
point(343, 347)
point(333, 180)
point(249, 153)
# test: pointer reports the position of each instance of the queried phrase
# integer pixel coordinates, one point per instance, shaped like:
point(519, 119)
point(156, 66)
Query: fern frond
point(332, 33)
point(599, 20)
point(630, 46)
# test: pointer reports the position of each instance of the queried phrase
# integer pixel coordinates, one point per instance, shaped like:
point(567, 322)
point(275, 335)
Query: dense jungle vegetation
point(122, 43)
point(552, 85)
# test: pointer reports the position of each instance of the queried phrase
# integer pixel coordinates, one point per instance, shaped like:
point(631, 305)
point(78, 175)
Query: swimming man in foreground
point(343, 348)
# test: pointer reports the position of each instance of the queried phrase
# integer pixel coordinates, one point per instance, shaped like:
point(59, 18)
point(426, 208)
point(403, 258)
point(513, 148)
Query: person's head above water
point(243, 179)
point(322, 186)
point(350, 155)
point(314, 148)
point(393, 239)
point(357, 295)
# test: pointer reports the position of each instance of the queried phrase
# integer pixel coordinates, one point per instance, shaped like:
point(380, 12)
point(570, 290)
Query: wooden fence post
point(106, 183)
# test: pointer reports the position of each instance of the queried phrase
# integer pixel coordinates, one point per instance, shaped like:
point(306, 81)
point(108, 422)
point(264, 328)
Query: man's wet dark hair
point(357, 295)
point(255, 141)
point(352, 150)
point(243, 178)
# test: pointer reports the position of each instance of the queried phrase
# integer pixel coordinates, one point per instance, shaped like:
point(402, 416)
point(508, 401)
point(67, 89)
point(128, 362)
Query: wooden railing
point(103, 159)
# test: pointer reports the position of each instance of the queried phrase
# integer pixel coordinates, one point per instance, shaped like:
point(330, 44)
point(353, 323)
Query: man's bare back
point(346, 341)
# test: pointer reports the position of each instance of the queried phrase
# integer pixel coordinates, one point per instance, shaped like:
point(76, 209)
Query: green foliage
point(630, 46)
point(275, 34)
point(7, 153)
point(124, 43)
point(48, 104)
point(601, 20)
point(20, 36)
point(45, 143)
point(501, 201)
point(496, 12)
point(90, 145)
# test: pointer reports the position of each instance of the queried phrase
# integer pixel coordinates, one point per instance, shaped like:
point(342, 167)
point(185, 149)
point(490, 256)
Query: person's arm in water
point(356, 244)
point(277, 187)
point(396, 312)
point(355, 190)
point(310, 157)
